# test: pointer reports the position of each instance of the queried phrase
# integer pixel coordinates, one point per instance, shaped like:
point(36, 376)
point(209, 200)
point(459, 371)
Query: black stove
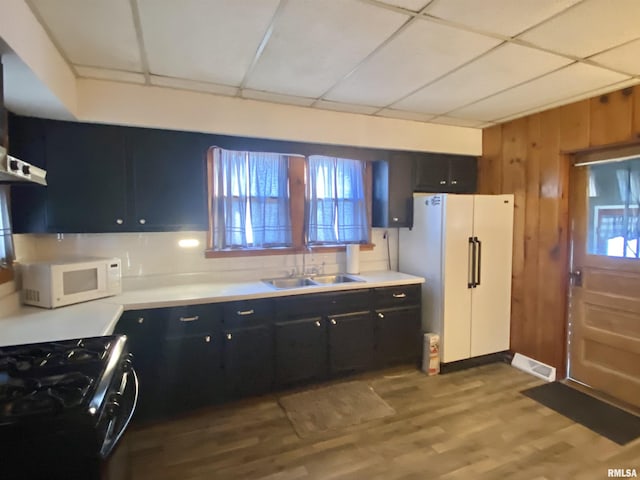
point(64, 406)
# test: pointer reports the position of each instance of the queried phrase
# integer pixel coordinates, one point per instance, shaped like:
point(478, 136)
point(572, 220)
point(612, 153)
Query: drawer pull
point(228, 336)
point(443, 182)
point(380, 315)
point(399, 295)
point(207, 339)
point(190, 319)
point(333, 321)
point(140, 319)
point(317, 323)
point(245, 312)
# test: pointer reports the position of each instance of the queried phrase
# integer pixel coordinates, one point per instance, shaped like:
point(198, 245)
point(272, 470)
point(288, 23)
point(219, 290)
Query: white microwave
point(58, 283)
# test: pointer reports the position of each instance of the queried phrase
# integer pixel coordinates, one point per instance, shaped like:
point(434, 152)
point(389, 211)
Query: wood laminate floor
point(472, 424)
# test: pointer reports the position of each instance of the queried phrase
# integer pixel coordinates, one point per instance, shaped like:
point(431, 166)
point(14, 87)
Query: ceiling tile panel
point(497, 70)
point(505, 17)
point(413, 5)
point(345, 107)
point(624, 58)
point(277, 98)
point(416, 116)
point(105, 74)
point(459, 122)
point(588, 28)
point(565, 83)
point(99, 34)
point(316, 42)
point(192, 85)
point(421, 53)
point(206, 40)
point(564, 101)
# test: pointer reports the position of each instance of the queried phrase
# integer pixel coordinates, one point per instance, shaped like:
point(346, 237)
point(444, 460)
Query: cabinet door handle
point(317, 323)
point(380, 315)
point(142, 221)
point(207, 339)
point(333, 321)
point(228, 336)
point(190, 319)
point(443, 182)
point(395, 219)
point(245, 312)
point(140, 319)
point(119, 221)
point(454, 182)
point(399, 295)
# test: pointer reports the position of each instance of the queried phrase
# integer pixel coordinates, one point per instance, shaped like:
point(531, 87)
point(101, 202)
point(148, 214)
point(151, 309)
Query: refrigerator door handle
point(479, 261)
point(472, 264)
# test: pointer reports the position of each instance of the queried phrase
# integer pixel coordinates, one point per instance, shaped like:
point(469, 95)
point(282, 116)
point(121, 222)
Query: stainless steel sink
point(315, 281)
point(289, 282)
point(337, 278)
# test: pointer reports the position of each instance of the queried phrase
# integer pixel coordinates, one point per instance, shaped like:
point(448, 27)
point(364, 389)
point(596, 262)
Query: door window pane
point(614, 208)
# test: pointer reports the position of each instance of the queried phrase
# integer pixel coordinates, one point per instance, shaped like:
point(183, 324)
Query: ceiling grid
point(456, 62)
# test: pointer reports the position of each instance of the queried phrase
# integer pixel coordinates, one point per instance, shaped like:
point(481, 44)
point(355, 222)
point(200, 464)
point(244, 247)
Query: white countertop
point(99, 317)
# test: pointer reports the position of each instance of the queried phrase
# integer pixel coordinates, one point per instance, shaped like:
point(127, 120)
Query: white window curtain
point(250, 200)
point(336, 202)
point(6, 240)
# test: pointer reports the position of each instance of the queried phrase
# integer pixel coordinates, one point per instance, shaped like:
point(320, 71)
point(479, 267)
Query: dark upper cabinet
point(28, 201)
point(168, 179)
point(86, 177)
point(446, 173)
point(393, 183)
point(104, 178)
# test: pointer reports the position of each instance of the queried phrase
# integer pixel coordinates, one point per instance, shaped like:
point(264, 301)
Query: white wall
point(102, 101)
point(150, 259)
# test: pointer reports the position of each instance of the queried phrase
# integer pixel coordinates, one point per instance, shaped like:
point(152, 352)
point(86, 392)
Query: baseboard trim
point(498, 357)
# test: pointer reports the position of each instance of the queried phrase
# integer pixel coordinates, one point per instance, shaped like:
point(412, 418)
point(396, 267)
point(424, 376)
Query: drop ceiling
point(457, 62)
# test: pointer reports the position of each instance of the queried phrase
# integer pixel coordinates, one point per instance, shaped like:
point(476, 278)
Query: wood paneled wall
point(530, 157)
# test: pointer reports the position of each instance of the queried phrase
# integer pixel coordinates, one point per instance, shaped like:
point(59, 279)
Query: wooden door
point(604, 307)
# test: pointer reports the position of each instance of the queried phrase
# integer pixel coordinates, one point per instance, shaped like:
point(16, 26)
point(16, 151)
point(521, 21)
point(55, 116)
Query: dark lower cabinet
point(191, 372)
point(301, 350)
point(351, 343)
point(143, 329)
point(192, 356)
point(248, 360)
point(398, 335)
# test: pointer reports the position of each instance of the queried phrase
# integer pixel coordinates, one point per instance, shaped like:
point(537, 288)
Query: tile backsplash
point(156, 258)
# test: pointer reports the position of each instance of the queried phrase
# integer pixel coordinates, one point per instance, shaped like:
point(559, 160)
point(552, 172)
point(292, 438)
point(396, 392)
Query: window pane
point(613, 209)
point(337, 210)
point(250, 200)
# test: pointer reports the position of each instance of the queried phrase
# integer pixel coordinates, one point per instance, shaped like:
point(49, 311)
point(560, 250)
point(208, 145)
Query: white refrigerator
point(462, 246)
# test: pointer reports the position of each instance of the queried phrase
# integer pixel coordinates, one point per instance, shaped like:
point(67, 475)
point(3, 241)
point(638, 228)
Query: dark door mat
point(609, 421)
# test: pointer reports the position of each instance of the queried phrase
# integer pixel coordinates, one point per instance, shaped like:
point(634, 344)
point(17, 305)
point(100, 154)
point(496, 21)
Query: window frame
point(297, 200)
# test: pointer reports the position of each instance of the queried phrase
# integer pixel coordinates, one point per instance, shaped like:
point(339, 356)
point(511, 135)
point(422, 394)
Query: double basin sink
point(314, 281)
